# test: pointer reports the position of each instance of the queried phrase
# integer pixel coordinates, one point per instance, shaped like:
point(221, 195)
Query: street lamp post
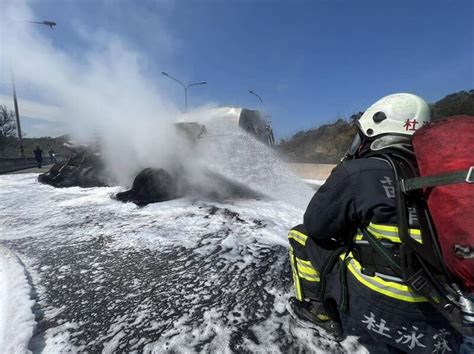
point(15, 101)
point(50, 24)
point(185, 88)
point(253, 93)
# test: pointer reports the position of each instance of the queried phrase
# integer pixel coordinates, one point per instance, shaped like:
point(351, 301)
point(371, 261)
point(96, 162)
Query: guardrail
point(12, 164)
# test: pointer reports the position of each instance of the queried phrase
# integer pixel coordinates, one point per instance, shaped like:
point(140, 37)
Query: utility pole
point(185, 87)
point(15, 101)
point(17, 115)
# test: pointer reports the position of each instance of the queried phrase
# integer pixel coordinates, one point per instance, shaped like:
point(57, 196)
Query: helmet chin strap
point(361, 145)
point(397, 142)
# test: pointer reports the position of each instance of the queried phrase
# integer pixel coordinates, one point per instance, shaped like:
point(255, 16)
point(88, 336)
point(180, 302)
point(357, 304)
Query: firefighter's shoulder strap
point(411, 184)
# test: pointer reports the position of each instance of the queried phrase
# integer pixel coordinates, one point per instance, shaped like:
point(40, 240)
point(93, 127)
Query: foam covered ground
point(17, 321)
point(180, 276)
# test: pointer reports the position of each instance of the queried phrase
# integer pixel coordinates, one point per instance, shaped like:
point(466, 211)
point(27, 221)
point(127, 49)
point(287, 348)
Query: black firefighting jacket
point(358, 192)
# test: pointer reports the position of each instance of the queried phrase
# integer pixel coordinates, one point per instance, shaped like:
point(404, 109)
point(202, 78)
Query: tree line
point(329, 142)
point(7, 127)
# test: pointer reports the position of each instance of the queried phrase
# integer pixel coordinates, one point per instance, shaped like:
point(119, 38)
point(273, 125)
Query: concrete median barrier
point(315, 171)
point(15, 164)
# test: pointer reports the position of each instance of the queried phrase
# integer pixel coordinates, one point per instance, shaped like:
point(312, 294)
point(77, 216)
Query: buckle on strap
point(470, 175)
point(417, 282)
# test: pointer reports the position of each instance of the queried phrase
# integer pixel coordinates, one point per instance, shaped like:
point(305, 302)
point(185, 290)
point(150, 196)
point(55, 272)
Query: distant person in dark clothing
point(52, 155)
point(38, 156)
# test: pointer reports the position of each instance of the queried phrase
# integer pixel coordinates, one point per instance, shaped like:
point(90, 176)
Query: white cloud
point(34, 109)
point(42, 129)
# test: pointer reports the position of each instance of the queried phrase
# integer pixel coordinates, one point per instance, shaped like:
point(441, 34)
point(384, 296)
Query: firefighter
point(342, 285)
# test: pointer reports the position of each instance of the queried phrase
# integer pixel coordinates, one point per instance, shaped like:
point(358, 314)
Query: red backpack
point(441, 190)
point(445, 149)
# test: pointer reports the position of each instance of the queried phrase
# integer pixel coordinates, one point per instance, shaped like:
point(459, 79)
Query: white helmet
point(398, 114)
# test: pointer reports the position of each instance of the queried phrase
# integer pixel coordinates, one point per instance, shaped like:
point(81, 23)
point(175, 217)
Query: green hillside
point(329, 142)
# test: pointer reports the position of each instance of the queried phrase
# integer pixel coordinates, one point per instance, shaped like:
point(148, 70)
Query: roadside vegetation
point(329, 142)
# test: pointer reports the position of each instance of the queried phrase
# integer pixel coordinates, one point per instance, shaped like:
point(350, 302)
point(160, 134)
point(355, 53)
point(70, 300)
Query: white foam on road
point(235, 235)
point(17, 321)
point(31, 209)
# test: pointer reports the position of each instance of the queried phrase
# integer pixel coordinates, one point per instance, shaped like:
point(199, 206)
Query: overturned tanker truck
point(252, 122)
point(85, 168)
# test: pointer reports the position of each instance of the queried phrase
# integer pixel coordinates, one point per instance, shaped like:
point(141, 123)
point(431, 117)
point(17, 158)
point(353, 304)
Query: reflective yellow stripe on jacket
point(298, 237)
point(306, 270)
point(391, 289)
point(390, 233)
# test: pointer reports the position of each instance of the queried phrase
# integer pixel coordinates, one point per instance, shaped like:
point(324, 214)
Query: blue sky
point(311, 61)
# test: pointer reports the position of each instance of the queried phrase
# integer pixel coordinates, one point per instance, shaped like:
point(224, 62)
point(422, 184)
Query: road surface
point(181, 276)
